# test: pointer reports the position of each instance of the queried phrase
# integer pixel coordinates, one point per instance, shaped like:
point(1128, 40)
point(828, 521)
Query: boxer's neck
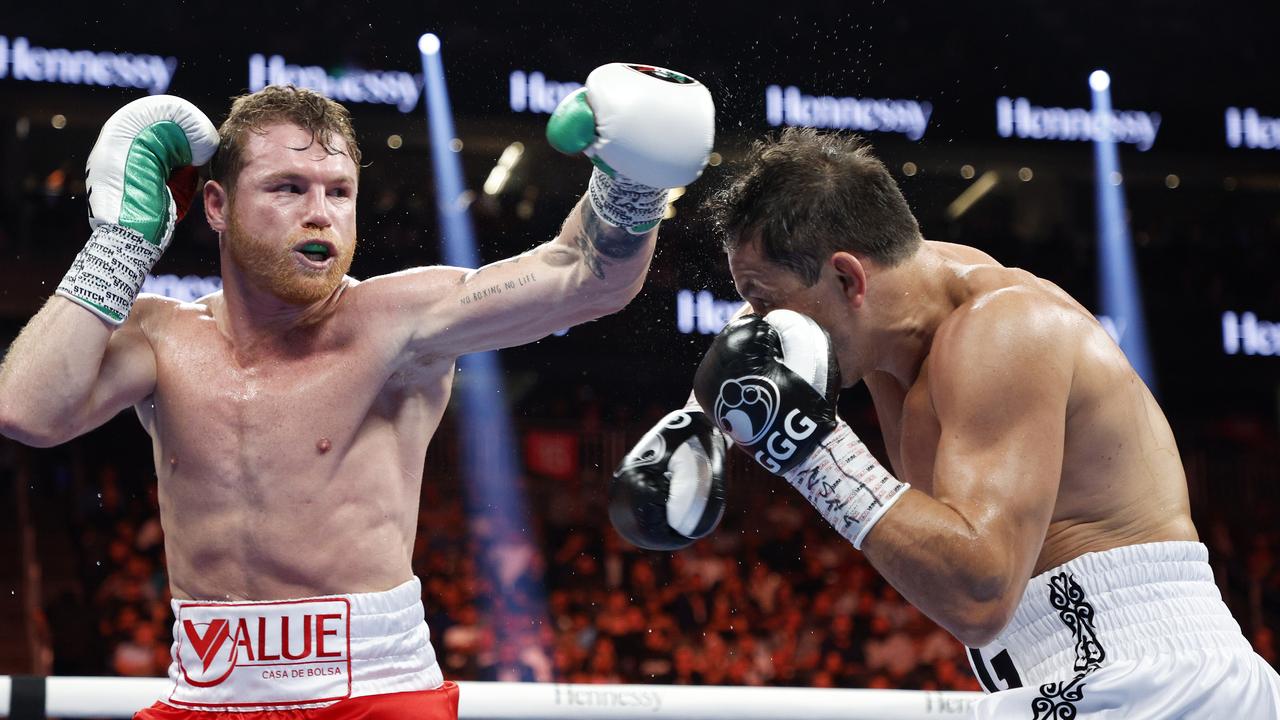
point(255, 319)
point(907, 303)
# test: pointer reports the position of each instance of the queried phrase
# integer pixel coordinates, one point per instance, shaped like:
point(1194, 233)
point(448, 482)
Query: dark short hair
point(811, 194)
point(326, 120)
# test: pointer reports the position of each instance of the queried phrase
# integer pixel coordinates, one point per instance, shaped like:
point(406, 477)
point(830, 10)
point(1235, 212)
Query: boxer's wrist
point(107, 275)
point(625, 204)
point(846, 484)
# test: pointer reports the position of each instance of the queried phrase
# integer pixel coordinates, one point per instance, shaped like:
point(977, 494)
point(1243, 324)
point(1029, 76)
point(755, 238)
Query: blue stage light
point(1118, 282)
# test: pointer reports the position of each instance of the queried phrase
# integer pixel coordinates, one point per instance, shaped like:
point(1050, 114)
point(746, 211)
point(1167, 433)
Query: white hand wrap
point(108, 273)
point(843, 480)
point(626, 204)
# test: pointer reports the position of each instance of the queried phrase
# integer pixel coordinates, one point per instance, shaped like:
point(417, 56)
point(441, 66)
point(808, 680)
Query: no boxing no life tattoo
point(597, 240)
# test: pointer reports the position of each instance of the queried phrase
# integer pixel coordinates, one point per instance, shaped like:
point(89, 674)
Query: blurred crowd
point(774, 597)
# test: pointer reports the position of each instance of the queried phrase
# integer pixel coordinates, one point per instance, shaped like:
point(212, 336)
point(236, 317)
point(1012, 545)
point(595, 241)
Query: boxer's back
point(280, 466)
point(1122, 478)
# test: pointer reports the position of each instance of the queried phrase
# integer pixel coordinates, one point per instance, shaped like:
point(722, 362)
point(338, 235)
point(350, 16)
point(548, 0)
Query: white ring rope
point(88, 697)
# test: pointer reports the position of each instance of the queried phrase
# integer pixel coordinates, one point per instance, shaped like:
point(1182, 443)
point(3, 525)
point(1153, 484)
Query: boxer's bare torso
point(290, 459)
point(1122, 480)
point(1026, 436)
point(293, 468)
point(289, 436)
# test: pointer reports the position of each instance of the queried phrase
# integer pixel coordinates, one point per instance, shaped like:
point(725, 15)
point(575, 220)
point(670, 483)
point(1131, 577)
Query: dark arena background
point(975, 107)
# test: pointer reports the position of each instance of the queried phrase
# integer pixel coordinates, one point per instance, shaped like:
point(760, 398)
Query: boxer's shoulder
point(1005, 315)
point(157, 315)
point(397, 302)
point(415, 285)
point(961, 253)
point(1004, 333)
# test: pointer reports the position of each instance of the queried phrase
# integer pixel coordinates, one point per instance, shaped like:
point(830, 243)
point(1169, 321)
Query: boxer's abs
point(291, 476)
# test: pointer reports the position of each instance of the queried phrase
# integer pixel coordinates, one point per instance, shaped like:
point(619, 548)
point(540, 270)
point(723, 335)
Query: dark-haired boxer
point(1039, 508)
point(290, 412)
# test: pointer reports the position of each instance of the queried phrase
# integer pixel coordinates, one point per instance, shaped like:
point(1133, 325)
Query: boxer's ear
point(216, 205)
point(852, 277)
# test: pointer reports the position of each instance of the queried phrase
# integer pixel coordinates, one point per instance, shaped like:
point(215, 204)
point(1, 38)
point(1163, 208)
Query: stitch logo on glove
point(746, 408)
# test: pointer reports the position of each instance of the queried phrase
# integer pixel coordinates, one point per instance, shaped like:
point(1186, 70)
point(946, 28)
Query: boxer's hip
point(300, 652)
point(1103, 607)
point(1105, 623)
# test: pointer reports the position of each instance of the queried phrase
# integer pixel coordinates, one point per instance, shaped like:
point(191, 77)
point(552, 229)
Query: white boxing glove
point(144, 149)
point(646, 128)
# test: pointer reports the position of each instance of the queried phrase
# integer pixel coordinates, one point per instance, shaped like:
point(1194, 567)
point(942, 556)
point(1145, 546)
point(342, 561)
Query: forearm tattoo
point(598, 240)
point(476, 294)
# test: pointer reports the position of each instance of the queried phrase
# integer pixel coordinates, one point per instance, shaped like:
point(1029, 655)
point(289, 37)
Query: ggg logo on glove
point(746, 408)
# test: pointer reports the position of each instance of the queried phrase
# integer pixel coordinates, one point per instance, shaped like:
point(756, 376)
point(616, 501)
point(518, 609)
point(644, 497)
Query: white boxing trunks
point(300, 653)
point(1135, 632)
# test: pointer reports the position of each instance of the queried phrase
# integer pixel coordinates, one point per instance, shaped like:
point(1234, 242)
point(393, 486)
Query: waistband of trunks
point(387, 639)
point(1118, 604)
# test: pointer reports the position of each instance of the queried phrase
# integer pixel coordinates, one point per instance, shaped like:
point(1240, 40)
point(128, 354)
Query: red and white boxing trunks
point(365, 655)
point(1137, 632)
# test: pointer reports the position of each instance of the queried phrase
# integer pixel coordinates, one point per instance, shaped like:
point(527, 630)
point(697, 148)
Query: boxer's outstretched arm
point(999, 381)
point(69, 371)
point(589, 270)
point(645, 129)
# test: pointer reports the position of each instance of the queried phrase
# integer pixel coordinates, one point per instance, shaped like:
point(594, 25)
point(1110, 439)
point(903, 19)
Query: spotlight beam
point(1118, 282)
point(490, 466)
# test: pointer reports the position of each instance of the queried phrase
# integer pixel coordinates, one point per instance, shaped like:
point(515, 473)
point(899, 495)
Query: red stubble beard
point(274, 268)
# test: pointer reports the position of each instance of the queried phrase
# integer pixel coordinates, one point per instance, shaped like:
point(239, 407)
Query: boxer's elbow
point(30, 434)
point(978, 623)
point(981, 606)
point(10, 418)
point(27, 427)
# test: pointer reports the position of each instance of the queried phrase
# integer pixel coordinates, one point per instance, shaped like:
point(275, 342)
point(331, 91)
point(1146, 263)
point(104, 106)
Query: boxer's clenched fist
point(646, 128)
point(670, 490)
point(144, 158)
point(771, 383)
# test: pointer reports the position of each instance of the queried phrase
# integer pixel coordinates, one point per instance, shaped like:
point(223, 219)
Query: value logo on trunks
point(256, 654)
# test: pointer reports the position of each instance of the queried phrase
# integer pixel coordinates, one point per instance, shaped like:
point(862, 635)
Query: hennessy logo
point(608, 696)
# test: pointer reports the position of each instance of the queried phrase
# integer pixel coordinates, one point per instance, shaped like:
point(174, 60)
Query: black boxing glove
point(771, 384)
point(669, 490)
